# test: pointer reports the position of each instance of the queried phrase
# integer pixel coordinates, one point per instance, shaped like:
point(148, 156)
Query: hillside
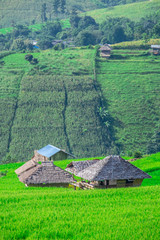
point(25, 12)
point(44, 213)
point(133, 11)
point(54, 102)
point(60, 101)
point(130, 84)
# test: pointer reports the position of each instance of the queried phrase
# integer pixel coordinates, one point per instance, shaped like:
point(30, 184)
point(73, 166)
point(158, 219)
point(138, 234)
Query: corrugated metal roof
point(155, 46)
point(48, 151)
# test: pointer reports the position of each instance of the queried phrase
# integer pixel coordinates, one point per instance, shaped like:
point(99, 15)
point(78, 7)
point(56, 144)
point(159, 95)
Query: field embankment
point(59, 213)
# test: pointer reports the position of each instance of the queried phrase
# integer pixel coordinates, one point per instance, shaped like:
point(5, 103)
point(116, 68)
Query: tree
point(18, 44)
point(43, 12)
point(74, 19)
point(85, 38)
point(85, 22)
point(51, 29)
point(45, 44)
point(56, 4)
point(62, 6)
point(119, 35)
point(20, 31)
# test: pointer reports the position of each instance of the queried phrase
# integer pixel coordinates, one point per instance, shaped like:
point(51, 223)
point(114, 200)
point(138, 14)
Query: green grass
point(133, 11)
point(130, 82)
point(61, 213)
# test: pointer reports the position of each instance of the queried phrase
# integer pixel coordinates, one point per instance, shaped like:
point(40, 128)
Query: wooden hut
point(50, 152)
point(77, 166)
point(105, 51)
point(46, 174)
point(155, 49)
point(113, 171)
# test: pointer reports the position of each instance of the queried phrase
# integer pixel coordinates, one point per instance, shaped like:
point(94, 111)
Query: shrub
point(29, 57)
point(137, 154)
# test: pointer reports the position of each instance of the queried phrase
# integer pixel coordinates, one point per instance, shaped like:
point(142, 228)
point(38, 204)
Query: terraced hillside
point(54, 102)
point(130, 84)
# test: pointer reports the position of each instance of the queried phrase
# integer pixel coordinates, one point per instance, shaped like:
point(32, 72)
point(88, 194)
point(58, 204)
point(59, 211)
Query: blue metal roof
point(48, 151)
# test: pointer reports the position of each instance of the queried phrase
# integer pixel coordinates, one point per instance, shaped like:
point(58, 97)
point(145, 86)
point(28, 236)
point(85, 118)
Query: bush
point(29, 57)
point(137, 154)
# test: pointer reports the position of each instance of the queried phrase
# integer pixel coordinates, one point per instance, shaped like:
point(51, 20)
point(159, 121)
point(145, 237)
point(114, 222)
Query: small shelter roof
point(77, 166)
point(28, 165)
point(112, 168)
point(49, 150)
point(155, 46)
point(105, 48)
point(49, 173)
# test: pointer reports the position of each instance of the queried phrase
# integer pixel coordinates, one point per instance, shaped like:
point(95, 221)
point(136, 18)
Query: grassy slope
point(57, 213)
point(130, 84)
point(55, 102)
point(133, 11)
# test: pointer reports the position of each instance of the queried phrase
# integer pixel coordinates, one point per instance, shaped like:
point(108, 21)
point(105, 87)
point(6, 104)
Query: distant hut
point(50, 152)
point(113, 171)
point(155, 49)
point(46, 174)
point(105, 51)
point(77, 166)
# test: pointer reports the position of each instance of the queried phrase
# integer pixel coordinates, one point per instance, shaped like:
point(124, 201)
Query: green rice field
point(62, 213)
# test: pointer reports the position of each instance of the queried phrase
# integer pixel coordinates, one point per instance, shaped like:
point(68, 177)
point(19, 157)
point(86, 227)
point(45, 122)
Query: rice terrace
point(80, 120)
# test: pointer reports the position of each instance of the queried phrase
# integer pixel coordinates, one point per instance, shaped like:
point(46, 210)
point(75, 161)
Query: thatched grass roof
point(49, 173)
point(105, 48)
point(22, 177)
point(77, 166)
point(25, 167)
point(112, 168)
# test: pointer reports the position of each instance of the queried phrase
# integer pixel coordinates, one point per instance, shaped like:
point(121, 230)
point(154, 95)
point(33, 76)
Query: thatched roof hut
point(155, 49)
point(77, 166)
point(105, 51)
point(25, 167)
point(48, 173)
point(111, 168)
point(115, 171)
